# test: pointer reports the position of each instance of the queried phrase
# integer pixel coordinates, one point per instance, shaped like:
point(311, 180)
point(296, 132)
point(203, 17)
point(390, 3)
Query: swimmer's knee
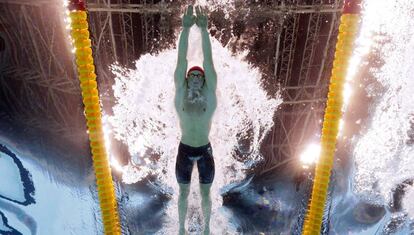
point(205, 189)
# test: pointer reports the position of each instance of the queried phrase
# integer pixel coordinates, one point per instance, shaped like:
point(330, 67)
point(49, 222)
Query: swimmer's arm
point(210, 72)
point(181, 69)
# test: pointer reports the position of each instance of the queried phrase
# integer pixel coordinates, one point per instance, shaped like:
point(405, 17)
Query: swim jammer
point(186, 157)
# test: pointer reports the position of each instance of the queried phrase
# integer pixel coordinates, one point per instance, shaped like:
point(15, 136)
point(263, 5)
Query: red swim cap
point(195, 68)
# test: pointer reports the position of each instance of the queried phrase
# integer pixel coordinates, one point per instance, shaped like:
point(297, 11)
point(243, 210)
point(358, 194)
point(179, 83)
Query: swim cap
point(195, 68)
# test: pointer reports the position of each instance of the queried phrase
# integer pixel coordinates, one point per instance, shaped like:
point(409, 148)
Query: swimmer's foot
point(206, 231)
point(182, 231)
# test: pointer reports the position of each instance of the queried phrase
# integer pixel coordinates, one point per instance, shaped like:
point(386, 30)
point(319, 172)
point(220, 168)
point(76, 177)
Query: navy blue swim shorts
point(186, 157)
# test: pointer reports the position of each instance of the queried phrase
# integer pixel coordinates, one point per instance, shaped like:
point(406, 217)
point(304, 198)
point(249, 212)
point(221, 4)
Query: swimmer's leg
point(183, 169)
point(182, 206)
point(206, 172)
point(206, 205)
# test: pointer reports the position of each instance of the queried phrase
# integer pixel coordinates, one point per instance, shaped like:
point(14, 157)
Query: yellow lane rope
point(347, 32)
point(87, 78)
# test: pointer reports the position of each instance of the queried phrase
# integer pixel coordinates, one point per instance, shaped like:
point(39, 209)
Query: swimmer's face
point(195, 80)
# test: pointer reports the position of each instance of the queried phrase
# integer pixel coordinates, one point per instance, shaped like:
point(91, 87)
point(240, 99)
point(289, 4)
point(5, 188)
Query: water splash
point(408, 202)
point(226, 6)
point(145, 119)
point(383, 155)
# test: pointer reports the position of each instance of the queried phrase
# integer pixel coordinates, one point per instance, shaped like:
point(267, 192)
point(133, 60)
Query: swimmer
point(195, 103)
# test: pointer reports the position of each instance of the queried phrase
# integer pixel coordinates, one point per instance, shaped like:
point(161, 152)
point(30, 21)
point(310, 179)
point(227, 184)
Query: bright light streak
point(67, 22)
point(115, 164)
point(310, 155)
point(106, 132)
point(112, 159)
point(363, 44)
point(341, 126)
point(347, 93)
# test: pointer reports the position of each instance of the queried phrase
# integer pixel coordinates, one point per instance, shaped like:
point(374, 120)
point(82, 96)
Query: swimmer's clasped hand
point(201, 19)
point(188, 18)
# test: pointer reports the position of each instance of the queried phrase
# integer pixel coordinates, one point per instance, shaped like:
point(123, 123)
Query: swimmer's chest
point(187, 110)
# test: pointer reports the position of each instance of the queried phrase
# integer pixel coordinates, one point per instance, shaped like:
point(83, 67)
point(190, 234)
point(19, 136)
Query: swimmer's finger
point(197, 9)
point(189, 10)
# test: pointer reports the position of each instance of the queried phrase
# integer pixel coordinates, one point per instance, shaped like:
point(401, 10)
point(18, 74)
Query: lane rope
point(348, 30)
point(90, 98)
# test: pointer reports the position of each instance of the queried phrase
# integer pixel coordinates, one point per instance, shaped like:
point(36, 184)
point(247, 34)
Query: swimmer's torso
point(195, 119)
